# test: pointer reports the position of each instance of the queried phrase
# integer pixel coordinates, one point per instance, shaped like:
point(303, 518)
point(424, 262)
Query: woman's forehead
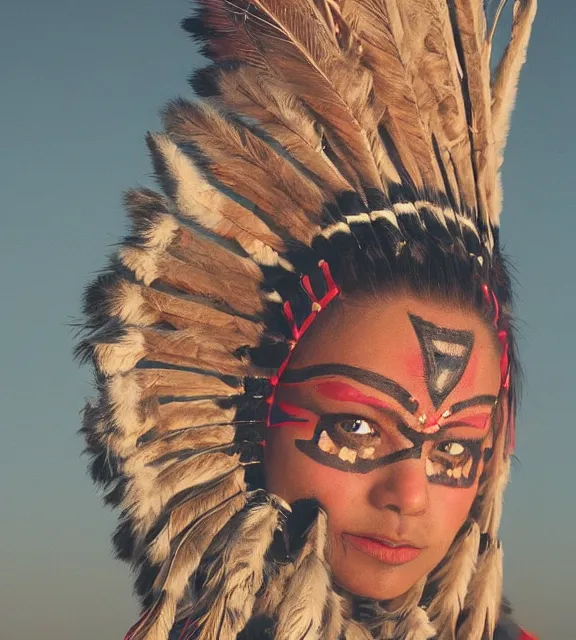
point(436, 352)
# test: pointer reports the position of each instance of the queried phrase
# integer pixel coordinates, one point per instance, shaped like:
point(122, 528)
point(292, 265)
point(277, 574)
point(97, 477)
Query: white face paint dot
point(325, 443)
point(348, 455)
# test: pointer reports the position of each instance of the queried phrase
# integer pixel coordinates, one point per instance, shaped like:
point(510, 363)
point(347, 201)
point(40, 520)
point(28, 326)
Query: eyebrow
point(477, 421)
point(368, 378)
point(473, 402)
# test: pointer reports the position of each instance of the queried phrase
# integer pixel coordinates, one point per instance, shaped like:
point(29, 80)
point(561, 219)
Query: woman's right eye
point(356, 426)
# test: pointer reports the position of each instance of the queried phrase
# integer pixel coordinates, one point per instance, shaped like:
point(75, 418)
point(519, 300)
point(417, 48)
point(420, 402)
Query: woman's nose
point(401, 487)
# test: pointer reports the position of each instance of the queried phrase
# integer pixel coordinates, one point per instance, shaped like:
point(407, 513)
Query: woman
point(304, 350)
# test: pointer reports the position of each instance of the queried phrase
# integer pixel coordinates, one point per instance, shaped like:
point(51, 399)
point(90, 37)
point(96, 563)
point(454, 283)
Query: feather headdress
point(327, 129)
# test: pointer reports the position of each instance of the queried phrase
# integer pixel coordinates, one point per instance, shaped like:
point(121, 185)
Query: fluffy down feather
point(301, 609)
point(453, 579)
point(236, 572)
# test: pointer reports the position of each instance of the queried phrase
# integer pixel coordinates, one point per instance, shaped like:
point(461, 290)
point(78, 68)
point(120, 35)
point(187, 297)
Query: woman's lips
point(386, 552)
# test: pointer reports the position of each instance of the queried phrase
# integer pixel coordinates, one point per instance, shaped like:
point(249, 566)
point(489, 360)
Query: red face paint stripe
point(345, 393)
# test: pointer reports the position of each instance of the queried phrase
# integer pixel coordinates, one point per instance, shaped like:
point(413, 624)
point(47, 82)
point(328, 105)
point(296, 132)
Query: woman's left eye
point(358, 427)
point(452, 448)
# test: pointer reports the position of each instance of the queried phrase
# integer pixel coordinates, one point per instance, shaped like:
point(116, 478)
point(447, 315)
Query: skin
point(397, 501)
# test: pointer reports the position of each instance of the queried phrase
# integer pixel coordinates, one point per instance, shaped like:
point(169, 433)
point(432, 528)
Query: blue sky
point(81, 84)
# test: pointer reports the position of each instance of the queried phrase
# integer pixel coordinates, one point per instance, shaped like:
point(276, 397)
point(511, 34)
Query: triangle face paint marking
point(446, 354)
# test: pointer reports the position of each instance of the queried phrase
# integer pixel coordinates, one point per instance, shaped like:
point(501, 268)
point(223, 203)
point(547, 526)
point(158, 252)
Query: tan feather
point(196, 438)
point(135, 304)
point(405, 620)
point(231, 40)
point(185, 259)
point(181, 241)
point(187, 506)
point(230, 589)
point(453, 579)
point(333, 619)
point(148, 489)
point(505, 84)
point(300, 613)
point(136, 413)
point(184, 561)
point(493, 485)
point(354, 631)
point(269, 600)
point(471, 29)
point(441, 96)
point(416, 626)
point(151, 266)
point(172, 417)
point(159, 229)
point(300, 46)
point(301, 609)
point(394, 93)
point(180, 384)
point(201, 201)
point(484, 596)
point(248, 166)
point(181, 348)
point(282, 116)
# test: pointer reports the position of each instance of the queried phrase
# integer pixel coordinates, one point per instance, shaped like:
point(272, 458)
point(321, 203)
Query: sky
point(81, 83)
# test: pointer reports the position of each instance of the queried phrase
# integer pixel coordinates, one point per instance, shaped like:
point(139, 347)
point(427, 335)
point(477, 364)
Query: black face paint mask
point(352, 443)
point(336, 443)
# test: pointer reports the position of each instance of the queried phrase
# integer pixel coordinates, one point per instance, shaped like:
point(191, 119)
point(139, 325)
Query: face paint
point(446, 354)
point(351, 443)
point(368, 378)
point(345, 393)
point(282, 413)
point(454, 462)
point(356, 444)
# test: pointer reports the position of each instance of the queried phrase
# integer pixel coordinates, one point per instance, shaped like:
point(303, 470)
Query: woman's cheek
point(450, 507)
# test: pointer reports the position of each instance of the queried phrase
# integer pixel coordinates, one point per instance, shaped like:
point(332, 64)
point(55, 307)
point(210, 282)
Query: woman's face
point(384, 416)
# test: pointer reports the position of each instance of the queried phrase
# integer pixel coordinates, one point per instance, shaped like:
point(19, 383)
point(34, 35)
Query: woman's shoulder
point(508, 629)
point(512, 631)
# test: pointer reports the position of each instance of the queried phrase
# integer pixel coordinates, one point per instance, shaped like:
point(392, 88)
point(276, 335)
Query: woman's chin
point(374, 587)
